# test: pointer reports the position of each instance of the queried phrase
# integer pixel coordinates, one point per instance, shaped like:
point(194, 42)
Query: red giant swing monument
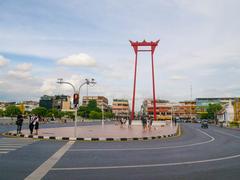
point(136, 48)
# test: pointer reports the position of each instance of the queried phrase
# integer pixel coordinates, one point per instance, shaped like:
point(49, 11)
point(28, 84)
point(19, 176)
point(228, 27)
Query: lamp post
point(76, 103)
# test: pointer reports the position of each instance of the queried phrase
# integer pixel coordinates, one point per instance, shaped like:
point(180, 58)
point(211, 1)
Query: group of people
point(33, 123)
point(146, 122)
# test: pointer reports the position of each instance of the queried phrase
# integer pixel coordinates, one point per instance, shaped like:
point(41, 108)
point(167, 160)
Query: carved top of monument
point(144, 43)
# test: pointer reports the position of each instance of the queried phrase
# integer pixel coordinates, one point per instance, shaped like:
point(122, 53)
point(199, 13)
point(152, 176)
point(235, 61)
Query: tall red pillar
point(134, 83)
point(135, 46)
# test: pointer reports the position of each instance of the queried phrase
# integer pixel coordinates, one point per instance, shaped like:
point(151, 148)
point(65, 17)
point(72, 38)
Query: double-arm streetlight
point(88, 82)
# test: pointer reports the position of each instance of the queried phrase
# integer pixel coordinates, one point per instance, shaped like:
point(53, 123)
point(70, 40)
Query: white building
point(226, 115)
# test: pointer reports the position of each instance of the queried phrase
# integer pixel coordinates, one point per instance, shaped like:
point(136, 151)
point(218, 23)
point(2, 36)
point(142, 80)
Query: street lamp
point(77, 95)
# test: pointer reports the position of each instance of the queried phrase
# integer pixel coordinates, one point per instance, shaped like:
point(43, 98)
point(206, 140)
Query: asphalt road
point(212, 153)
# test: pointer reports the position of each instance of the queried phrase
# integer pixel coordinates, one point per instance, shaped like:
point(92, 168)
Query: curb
point(178, 133)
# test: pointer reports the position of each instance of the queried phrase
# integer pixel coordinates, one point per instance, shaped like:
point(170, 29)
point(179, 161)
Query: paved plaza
point(106, 131)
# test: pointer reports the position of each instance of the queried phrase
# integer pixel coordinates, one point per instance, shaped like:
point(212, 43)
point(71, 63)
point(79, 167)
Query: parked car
point(204, 124)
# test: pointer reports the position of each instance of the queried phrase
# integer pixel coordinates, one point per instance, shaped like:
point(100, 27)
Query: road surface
point(212, 153)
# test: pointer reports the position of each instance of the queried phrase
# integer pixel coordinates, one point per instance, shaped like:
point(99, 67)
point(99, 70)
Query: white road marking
point(7, 149)
point(148, 165)
point(238, 137)
point(11, 144)
point(3, 152)
point(156, 148)
point(42, 170)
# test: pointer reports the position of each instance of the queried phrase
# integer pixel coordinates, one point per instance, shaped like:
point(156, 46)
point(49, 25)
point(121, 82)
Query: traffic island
point(102, 133)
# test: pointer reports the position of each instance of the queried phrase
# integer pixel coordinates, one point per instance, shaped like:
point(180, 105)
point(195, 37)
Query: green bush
point(234, 124)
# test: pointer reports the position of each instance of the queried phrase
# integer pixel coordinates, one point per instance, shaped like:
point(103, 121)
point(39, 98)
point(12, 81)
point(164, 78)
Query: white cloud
point(19, 74)
point(24, 67)
point(48, 86)
point(22, 71)
point(3, 61)
point(80, 59)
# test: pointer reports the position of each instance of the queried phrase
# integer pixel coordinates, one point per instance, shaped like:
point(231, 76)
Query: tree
point(108, 115)
point(40, 111)
point(60, 114)
point(92, 106)
point(70, 115)
point(12, 111)
point(83, 111)
point(1, 113)
point(95, 115)
point(213, 109)
point(203, 115)
point(52, 112)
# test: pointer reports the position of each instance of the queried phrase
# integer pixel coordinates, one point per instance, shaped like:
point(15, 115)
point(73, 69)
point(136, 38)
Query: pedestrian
point(36, 124)
point(144, 122)
point(150, 123)
point(121, 122)
point(129, 123)
point(175, 121)
point(31, 125)
point(19, 123)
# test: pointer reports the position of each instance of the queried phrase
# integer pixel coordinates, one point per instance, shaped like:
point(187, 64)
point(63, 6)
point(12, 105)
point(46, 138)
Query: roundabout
point(197, 154)
point(108, 132)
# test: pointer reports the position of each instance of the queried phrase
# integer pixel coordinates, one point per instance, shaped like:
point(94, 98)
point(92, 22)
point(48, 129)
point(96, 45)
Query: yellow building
point(102, 102)
point(120, 108)
point(237, 110)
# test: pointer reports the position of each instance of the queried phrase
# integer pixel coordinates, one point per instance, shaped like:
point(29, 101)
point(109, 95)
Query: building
point(202, 103)
point(120, 107)
point(3, 105)
point(46, 102)
point(30, 105)
point(226, 115)
point(102, 102)
point(185, 110)
point(166, 110)
point(236, 105)
point(60, 102)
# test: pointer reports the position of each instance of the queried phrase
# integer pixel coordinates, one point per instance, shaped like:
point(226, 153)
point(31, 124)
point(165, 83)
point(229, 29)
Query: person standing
point(36, 124)
point(144, 122)
point(150, 123)
point(19, 123)
point(31, 125)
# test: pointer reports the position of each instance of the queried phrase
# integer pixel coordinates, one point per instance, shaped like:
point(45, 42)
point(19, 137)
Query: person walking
point(31, 125)
point(19, 123)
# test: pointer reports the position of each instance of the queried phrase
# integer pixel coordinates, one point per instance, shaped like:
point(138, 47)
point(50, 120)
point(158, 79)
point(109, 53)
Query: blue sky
point(43, 40)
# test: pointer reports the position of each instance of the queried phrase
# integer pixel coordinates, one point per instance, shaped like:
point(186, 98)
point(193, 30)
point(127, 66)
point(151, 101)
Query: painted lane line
point(147, 165)
point(156, 148)
point(4, 146)
point(42, 170)
point(238, 137)
point(3, 152)
point(7, 149)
